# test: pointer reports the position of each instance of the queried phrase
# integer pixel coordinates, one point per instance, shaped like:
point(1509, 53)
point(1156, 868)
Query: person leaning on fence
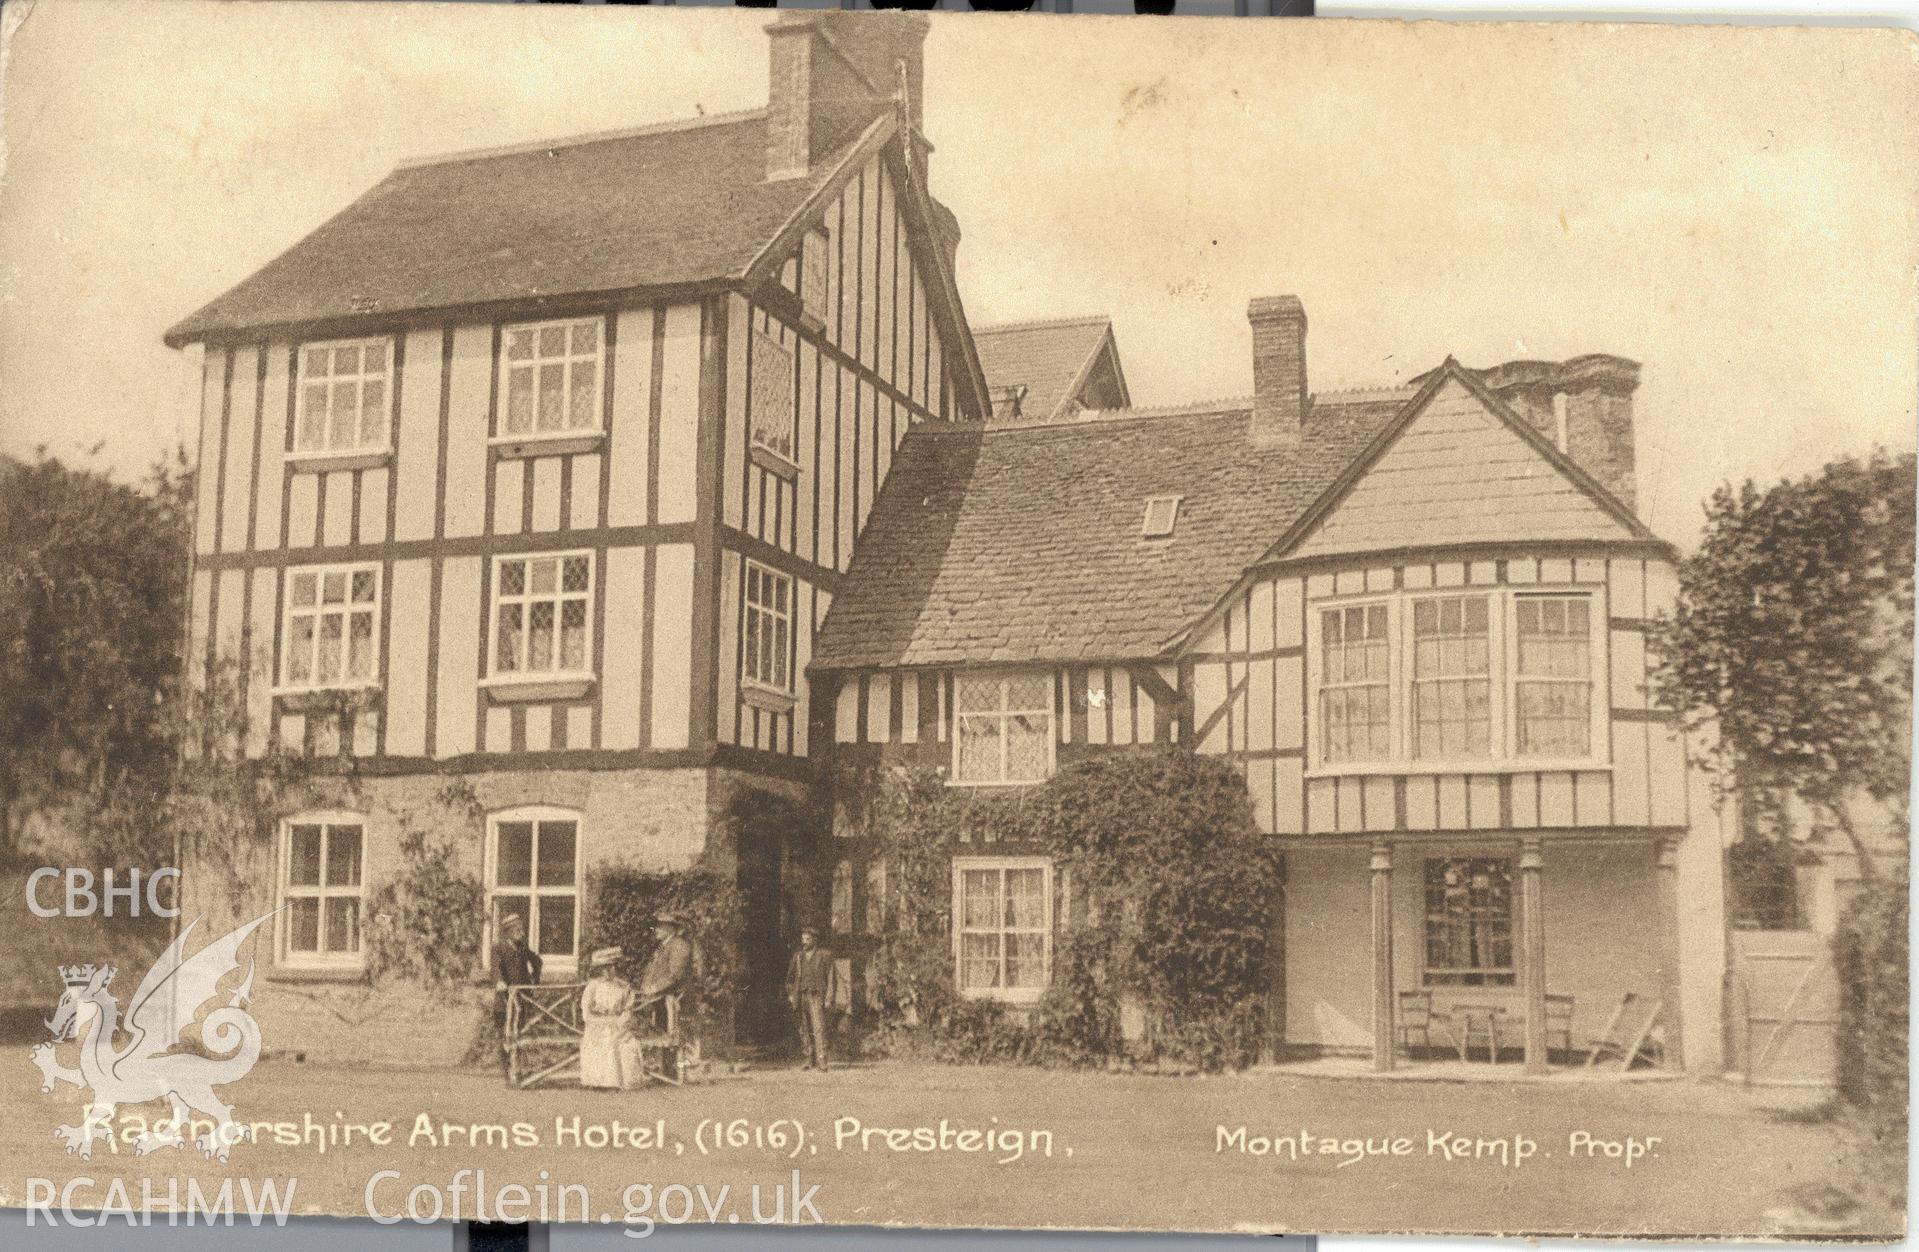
point(514, 965)
point(812, 985)
point(669, 971)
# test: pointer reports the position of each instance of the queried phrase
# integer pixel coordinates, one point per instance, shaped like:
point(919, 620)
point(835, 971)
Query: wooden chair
point(1559, 1024)
point(667, 1056)
point(1628, 1037)
point(1418, 1019)
point(1487, 1016)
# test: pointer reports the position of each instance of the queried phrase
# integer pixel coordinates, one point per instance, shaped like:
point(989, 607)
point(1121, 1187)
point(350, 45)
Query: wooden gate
point(1785, 1008)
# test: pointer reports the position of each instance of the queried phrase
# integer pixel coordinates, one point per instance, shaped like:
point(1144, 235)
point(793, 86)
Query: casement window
point(345, 397)
point(542, 615)
point(767, 631)
point(321, 885)
point(1469, 922)
point(774, 417)
point(1496, 678)
point(550, 378)
point(1355, 683)
point(1002, 728)
point(331, 629)
point(813, 275)
point(533, 873)
point(1003, 926)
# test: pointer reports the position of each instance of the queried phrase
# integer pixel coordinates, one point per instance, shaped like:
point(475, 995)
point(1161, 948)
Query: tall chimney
point(1279, 370)
point(1584, 406)
point(832, 72)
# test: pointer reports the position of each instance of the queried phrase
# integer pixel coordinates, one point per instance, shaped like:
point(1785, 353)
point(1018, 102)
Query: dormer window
point(1162, 512)
point(1007, 402)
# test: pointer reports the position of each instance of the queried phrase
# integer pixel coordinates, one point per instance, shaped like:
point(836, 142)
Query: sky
point(1736, 208)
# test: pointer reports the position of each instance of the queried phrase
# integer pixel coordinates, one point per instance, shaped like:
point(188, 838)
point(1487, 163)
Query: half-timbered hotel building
point(635, 477)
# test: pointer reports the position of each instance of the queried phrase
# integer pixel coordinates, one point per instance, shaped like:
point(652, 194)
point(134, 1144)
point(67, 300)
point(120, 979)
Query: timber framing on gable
point(884, 140)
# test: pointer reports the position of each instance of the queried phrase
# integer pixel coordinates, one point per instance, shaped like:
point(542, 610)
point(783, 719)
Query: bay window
point(1499, 677)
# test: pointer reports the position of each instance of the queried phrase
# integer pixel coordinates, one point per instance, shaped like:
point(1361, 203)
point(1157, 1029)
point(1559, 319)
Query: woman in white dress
point(606, 1007)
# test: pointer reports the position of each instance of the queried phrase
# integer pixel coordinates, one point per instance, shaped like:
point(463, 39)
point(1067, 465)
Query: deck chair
point(1629, 1036)
point(1418, 1020)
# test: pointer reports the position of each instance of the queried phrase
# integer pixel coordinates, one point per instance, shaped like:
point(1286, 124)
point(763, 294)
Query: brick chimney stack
point(832, 73)
point(1279, 370)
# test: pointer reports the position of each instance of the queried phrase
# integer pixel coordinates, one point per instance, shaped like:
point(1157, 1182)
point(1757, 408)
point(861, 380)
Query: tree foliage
point(92, 609)
point(1792, 639)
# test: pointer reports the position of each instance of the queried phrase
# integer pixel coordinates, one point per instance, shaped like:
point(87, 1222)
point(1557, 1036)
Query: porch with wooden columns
point(1531, 955)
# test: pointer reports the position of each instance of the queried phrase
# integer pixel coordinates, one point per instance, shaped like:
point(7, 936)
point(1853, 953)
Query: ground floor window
point(1003, 926)
point(533, 873)
point(1469, 922)
point(321, 883)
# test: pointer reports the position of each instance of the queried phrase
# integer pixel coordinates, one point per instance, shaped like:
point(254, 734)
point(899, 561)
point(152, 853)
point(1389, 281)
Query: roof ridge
point(1350, 394)
point(1083, 319)
point(569, 141)
point(1231, 406)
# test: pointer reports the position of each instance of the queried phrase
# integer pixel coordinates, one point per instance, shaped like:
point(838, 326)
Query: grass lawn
point(1126, 1151)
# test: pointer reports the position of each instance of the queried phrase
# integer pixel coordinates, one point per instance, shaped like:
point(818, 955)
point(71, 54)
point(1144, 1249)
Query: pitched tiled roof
point(1046, 357)
point(661, 206)
point(1023, 543)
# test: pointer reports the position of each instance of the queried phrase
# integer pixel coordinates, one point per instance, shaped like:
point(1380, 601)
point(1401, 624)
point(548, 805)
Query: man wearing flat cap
point(669, 971)
point(812, 983)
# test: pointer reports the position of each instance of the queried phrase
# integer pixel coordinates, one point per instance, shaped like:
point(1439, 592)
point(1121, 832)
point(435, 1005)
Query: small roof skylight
point(1161, 513)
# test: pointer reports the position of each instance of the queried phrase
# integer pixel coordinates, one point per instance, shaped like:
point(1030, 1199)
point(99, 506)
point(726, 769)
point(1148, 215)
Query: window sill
point(317, 973)
point(1375, 769)
point(1013, 999)
point(317, 699)
point(520, 447)
point(771, 699)
point(773, 463)
point(517, 688)
point(366, 458)
point(974, 782)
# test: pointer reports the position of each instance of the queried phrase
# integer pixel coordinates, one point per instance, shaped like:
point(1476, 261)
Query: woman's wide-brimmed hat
point(513, 921)
point(603, 956)
point(670, 918)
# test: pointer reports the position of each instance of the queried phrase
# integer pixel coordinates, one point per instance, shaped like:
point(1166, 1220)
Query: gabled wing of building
point(1043, 371)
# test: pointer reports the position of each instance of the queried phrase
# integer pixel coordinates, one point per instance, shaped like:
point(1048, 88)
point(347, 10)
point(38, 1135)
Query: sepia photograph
point(727, 617)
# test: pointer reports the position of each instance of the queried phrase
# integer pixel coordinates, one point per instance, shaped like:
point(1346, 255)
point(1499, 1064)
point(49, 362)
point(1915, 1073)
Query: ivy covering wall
point(1165, 949)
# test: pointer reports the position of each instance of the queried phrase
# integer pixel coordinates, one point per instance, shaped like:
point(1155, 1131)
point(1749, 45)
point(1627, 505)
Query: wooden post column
point(1532, 951)
point(1668, 871)
point(1383, 998)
